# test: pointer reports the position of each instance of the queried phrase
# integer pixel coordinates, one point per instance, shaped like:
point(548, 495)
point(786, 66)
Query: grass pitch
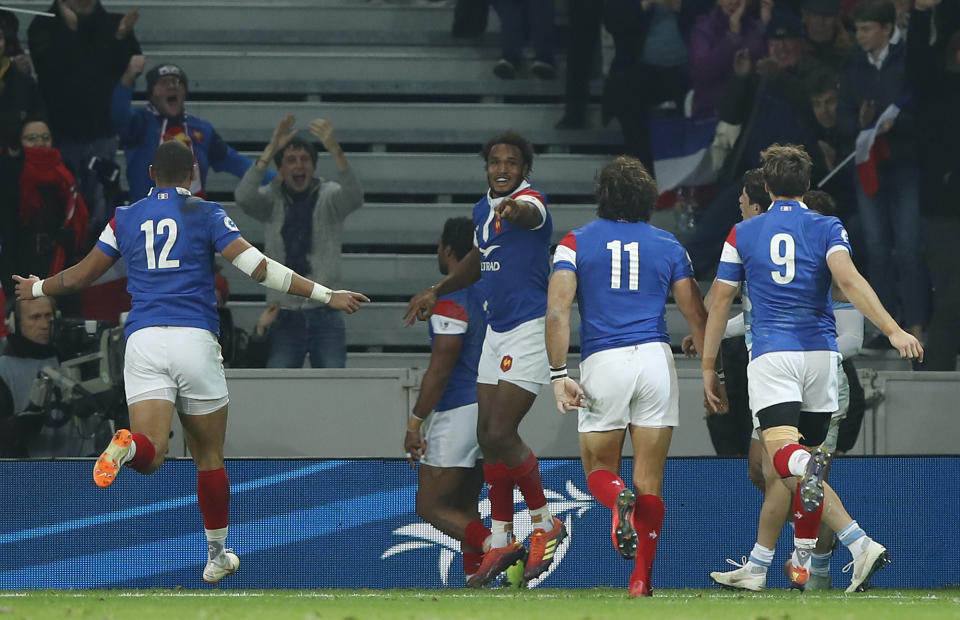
point(596, 604)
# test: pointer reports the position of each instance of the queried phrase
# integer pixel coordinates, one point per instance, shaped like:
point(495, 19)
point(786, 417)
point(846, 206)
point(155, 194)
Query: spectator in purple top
point(716, 37)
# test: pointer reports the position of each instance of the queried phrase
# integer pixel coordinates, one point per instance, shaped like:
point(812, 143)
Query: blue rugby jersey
point(168, 241)
point(782, 256)
point(624, 274)
point(460, 314)
point(514, 261)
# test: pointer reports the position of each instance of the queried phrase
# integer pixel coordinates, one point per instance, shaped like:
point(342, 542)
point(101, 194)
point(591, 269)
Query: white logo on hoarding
point(423, 536)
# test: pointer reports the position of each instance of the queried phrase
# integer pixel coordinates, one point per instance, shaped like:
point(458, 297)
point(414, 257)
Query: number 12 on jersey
point(616, 255)
point(169, 226)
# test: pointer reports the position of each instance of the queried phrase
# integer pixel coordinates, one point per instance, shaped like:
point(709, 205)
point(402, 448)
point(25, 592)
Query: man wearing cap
point(828, 42)
point(163, 119)
point(79, 56)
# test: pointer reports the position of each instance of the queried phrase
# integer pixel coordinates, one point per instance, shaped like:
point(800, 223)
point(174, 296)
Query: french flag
point(871, 149)
point(681, 151)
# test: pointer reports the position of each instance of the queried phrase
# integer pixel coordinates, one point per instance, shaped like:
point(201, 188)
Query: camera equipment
point(89, 380)
point(108, 172)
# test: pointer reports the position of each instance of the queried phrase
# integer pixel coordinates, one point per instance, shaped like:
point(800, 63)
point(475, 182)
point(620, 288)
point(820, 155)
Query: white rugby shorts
point(635, 385)
point(843, 400)
point(451, 438)
point(518, 356)
point(806, 377)
point(180, 364)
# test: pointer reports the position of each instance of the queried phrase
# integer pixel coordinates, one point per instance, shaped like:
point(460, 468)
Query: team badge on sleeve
point(229, 224)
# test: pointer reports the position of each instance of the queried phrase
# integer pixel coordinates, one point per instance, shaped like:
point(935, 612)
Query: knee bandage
point(278, 276)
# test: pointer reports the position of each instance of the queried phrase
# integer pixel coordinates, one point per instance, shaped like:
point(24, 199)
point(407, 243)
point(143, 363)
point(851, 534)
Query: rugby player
point(450, 477)
point(172, 361)
point(621, 270)
point(511, 256)
point(787, 258)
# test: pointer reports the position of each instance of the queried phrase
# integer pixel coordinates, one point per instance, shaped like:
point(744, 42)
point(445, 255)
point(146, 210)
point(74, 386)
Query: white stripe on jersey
point(109, 237)
point(730, 254)
point(837, 248)
point(565, 253)
point(447, 326)
point(539, 205)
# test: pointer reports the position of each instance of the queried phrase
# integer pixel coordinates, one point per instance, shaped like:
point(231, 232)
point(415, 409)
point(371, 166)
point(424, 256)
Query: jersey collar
point(180, 190)
point(493, 202)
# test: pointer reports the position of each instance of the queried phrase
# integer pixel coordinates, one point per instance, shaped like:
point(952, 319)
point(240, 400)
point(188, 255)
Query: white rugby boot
point(224, 565)
point(746, 576)
point(865, 564)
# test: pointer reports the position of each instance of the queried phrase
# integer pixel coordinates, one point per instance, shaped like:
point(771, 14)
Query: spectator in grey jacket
point(303, 219)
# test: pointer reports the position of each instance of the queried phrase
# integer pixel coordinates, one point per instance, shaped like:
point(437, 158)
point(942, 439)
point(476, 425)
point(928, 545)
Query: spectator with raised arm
point(79, 55)
point(165, 118)
point(717, 36)
point(303, 219)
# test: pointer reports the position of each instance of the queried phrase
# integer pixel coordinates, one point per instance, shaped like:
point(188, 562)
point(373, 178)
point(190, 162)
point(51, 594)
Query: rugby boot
point(495, 561)
point(865, 564)
point(624, 536)
point(543, 546)
point(811, 483)
point(108, 465)
point(224, 565)
point(797, 568)
point(744, 577)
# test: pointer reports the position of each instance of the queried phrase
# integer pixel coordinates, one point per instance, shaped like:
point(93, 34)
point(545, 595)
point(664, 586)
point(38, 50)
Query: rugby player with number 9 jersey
point(787, 257)
point(172, 362)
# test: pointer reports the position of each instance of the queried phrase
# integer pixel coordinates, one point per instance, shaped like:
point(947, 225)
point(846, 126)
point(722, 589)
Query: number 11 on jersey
point(633, 273)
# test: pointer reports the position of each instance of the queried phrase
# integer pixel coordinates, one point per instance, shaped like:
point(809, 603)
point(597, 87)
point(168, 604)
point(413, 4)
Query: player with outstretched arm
point(511, 256)
point(172, 362)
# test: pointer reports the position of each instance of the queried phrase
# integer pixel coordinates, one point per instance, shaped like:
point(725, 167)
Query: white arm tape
point(278, 276)
point(321, 293)
point(37, 289)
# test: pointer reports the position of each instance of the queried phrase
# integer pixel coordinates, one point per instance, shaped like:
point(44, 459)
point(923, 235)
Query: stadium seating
point(444, 174)
point(389, 123)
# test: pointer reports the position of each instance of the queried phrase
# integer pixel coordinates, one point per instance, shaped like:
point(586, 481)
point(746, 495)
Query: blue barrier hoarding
point(351, 524)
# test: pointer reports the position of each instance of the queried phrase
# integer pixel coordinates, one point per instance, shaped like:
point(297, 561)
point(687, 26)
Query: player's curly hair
point(786, 170)
point(821, 202)
point(625, 191)
point(755, 187)
point(513, 139)
point(458, 235)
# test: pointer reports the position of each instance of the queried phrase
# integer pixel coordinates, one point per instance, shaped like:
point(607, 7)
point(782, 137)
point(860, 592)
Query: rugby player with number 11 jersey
point(787, 258)
point(172, 360)
point(621, 270)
